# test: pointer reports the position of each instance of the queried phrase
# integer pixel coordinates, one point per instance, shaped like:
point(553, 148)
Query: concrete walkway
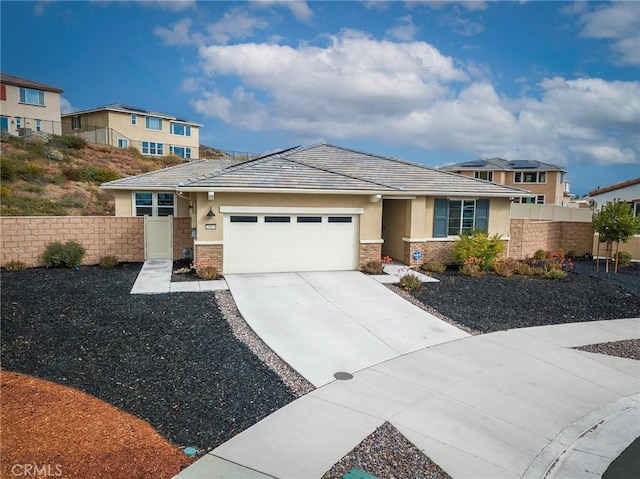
point(327, 322)
point(514, 404)
point(155, 278)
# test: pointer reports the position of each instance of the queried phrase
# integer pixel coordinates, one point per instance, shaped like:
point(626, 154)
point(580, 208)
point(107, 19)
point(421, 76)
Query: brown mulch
point(66, 433)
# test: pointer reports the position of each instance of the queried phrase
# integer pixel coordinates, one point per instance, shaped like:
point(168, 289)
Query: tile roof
point(170, 177)
point(617, 186)
point(23, 82)
point(323, 167)
point(491, 164)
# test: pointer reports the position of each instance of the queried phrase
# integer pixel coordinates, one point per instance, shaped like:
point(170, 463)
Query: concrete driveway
point(325, 322)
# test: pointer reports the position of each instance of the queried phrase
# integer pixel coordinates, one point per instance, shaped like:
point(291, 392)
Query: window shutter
point(441, 208)
point(3, 92)
point(482, 215)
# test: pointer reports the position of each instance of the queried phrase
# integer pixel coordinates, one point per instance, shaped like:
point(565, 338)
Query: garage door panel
point(281, 244)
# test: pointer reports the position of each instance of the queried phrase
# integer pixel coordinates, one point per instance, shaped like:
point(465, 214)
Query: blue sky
point(430, 82)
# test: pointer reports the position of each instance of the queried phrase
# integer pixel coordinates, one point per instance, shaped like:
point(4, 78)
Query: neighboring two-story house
point(152, 133)
point(628, 191)
point(28, 105)
point(546, 182)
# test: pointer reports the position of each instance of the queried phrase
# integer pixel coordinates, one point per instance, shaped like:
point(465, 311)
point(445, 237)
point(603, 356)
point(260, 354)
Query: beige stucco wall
point(552, 190)
point(121, 125)
point(394, 221)
point(124, 204)
point(48, 114)
point(370, 223)
point(632, 246)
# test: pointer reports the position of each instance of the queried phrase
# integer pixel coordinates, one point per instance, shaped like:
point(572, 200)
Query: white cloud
point(404, 31)
point(66, 106)
point(234, 24)
point(178, 34)
point(460, 24)
point(171, 5)
point(471, 5)
point(617, 22)
point(299, 8)
point(357, 87)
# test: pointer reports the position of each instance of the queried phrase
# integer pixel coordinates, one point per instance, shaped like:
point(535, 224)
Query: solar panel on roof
point(133, 108)
point(475, 163)
point(523, 164)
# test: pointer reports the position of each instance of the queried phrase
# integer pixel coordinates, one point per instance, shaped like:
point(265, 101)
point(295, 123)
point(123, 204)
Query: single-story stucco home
point(313, 208)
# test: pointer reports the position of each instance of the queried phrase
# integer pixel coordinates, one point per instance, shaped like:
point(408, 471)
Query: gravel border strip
point(629, 349)
point(408, 297)
point(298, 385)
point(387, 454)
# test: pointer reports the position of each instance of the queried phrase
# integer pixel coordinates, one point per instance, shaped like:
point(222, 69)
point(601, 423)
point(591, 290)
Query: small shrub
point(555, 273)
point(5, 136)
point(72, 200)
point(8, 169)
point(67, 255)
point(472, 267)
point(387, 259)
point(54, 155)
point(624, 258)
point(373, 267)
point(572, 255)
point(523, 269)
point(99, 175)
point(479, 246)
point(171, 160)
point(434, 267)
point(540, 255)
point(205, 269)
point(31, 188)
point(69, 141)
point(15, 265)
point(410, 282)
point(72, 174)
point(32, 172)
point(132, 149)
point(108, 262)
point(504, 268)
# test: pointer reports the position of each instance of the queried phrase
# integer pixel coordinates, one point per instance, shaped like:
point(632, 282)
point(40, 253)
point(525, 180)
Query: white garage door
point(263, 243)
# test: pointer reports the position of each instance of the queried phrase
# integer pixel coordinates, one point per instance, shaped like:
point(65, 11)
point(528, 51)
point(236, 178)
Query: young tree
point(615, 223)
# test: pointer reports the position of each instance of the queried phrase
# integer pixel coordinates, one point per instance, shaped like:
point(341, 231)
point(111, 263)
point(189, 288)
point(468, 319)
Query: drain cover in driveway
point(342, 376)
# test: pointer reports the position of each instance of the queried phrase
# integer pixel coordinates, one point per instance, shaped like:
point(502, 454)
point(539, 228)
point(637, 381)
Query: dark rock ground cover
point(492, 303)
point(169, 359)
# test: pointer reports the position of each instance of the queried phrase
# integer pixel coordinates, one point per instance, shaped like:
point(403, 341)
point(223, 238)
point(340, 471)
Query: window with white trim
point(18, 123)
point(38, 125)
point(181, 151)
point(636, 208)
point(180, 129)
point(134, 119)
point(123, 143)
point(30, 96)
point(530, 200)
point(147, 203)
point(153, 123)
point(483, 175)
point(152, 148)
point(530, 177)
point(454, 217)
point(75, 122)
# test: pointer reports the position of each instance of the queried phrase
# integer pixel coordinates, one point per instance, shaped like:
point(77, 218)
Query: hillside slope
point(62, 176)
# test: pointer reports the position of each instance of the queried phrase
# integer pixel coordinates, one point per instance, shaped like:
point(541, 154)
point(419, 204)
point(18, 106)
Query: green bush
point(32, 172)
point(480, 246)
point(132, 149)
point(69, 141)
point(410, 282)
point(67, 255)
point(434, 267)
point(555, 273)
point(540, 255)
point(108, 262)
point(90, 173)
point(523, 269)
point(624, 258)
point(8, 169)
point(15, 265)
point(373, 267)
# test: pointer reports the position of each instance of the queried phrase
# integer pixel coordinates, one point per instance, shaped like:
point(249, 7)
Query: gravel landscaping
point(492, 303)
point(169, 359)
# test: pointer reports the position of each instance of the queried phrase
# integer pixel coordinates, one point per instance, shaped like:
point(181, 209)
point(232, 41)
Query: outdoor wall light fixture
point(210, 214)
